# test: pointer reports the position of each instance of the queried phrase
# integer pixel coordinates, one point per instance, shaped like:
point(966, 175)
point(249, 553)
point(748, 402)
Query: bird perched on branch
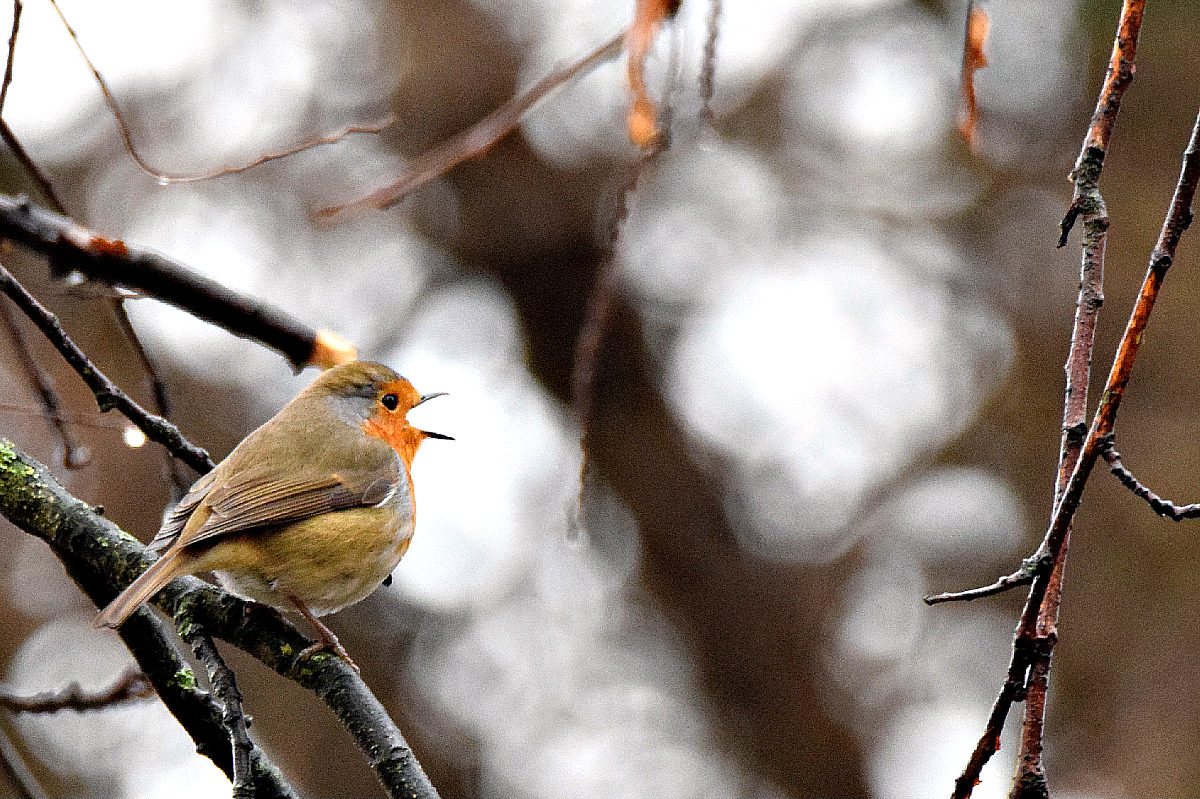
point(311, 511)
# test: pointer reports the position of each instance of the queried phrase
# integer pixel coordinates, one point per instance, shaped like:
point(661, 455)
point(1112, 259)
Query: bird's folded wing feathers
point(173, 525)
point(255, 499)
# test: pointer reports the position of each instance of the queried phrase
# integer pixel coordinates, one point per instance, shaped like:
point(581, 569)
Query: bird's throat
point(397, 433)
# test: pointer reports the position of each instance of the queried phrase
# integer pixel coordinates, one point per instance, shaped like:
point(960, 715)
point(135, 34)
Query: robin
point(311, 511)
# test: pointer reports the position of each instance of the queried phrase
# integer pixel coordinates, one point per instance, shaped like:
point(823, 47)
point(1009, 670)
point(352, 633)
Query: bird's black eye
point(390, 401)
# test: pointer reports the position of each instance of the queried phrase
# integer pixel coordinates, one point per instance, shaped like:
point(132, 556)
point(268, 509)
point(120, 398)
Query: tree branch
point(108, 394)
point(476, 139)
point(73, 247)
point(102, 558)
point(233, 719)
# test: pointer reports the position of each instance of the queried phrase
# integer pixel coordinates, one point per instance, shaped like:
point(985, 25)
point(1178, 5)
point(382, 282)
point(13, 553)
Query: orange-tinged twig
point(1028, 673)
point(973, 60)
point(477, 139)
point(648, 17)
point(171, 177)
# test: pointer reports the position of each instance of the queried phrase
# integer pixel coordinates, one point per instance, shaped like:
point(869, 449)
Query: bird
point(310, 512)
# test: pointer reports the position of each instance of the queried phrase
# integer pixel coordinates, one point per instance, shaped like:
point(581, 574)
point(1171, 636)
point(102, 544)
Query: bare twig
point(12, 49)
point(708, 63)
point(73, 247)
point(108, 394)
point(225, 687)
point(1022, 576)
point(13, 766)
point(1116, 80)
point(1163, 507)
point(477, 139)
point(1029, 781)
point(171, 177)
point(160, 401)
point(6, 133)
point(1036, 634)
point(133, 685)
point(75, 456)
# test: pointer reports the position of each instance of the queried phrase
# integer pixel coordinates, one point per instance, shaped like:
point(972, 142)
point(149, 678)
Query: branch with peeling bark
point(101, 558)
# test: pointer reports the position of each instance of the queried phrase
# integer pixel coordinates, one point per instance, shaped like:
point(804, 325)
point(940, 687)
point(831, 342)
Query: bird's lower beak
point(426, 398)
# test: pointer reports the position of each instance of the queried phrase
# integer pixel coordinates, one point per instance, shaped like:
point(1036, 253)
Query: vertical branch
point(708, 63)
point(1088, 205)
point(1027, 678)
point(160, 402)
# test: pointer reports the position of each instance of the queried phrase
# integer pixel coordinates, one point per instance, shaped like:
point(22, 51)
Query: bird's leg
point(325, 637)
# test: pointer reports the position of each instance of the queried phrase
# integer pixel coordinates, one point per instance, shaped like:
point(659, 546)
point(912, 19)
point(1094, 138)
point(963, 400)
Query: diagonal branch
point(108, 394)
point(73, 247)
point(1163, 507)
point(477, 139)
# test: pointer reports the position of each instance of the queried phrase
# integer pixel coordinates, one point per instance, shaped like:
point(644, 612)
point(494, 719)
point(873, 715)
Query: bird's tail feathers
point(161, 572)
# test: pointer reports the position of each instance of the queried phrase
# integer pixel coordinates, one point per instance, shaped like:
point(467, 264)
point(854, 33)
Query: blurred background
point(832, 385)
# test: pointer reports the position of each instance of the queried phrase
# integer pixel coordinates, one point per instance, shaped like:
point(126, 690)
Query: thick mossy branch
point(102, 559)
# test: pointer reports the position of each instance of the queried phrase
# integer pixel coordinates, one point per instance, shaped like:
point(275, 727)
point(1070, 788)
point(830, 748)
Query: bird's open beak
point(425, 398)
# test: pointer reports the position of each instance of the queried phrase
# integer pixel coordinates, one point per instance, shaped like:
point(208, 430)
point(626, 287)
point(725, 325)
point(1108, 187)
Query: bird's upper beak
point(425, 398)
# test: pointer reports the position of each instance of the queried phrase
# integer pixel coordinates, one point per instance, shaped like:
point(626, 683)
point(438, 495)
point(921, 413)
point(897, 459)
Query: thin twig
point(1163, 507)
point(75, 456)
point(169, 177)
point(1029, 780)
point(1178, 218)
point(73, 247)
point(13, 766)
point(1036, 633)
point(12, 49)
point(108, 394)
point(225, 687)
point(1022, 576)
point(602, 298)
point(477, 139)
point(133, 685)
point(1116, 80)
point(6, 133)
point(708, 62)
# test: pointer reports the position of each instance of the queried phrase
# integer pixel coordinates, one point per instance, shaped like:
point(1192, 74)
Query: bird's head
point(377, 400)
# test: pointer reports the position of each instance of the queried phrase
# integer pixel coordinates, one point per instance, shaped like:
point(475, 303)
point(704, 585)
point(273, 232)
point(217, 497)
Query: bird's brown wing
point(256, 499)
point(173, 525)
